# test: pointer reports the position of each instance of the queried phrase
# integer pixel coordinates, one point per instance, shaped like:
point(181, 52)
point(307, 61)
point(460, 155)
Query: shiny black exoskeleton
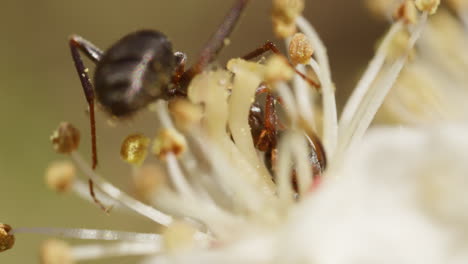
point(134, 72)
point(139, 69)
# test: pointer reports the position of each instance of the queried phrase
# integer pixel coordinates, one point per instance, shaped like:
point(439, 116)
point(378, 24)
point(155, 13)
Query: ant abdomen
point(134, 72)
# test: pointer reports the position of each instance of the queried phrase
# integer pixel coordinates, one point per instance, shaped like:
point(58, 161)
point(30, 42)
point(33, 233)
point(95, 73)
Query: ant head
point(134, 72)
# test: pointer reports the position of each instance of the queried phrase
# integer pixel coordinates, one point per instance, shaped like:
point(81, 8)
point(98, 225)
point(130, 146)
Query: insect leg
point(216, 42)
point(78, 44)
point(270, 121)
point(270, 46)
point(180, 69)
point(264, 122)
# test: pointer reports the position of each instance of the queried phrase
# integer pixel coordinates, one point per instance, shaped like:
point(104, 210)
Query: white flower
point(391, 195)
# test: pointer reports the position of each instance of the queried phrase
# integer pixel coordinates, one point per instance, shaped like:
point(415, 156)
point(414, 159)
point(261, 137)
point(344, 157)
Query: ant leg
point(88, 48)
point(272, 118)
point(181, 59)
point(79, 44)
point(271, 122)
point(262, 89)
point(216, 42)
point(270, 46)
point(265, 138)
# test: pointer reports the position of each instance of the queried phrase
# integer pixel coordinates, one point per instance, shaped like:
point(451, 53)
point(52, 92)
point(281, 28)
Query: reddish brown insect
point(266, 130)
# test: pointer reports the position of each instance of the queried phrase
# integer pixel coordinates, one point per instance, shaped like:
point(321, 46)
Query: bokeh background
point(39, 88)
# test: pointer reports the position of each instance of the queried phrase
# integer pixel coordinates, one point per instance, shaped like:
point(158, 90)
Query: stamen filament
point(99, 251)
point(177, 177)
point(303, 167)
point(302, 94)
point(303, 98)
point(375, 96)
point(81, 189)
point(120, 196)
point(243, 192)
point(89, 234)
point(240, 100)
point(283, 173)
point(368, 78)
point(330, 119)
point(289, 102)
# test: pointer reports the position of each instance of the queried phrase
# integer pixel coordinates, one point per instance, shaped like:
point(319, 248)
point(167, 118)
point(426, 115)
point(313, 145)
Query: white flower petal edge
point(400, 197)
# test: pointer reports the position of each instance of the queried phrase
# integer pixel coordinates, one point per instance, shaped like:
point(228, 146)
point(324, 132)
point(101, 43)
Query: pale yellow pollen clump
point(275, 69)
point(66, 138)
point(185, 113)
point(278, 69)
point(300, 49)
point(169, 141)
point(407, 12)
point(429, 6)
point(55, 252)
point(60, 175)
point(179, 236)
point(284, 15)
point(147, 180)
point(234, 65)
point(134, 149)
point(6, 240)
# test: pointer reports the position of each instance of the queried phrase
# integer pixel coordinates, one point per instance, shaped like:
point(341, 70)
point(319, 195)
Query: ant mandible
point(142, 67)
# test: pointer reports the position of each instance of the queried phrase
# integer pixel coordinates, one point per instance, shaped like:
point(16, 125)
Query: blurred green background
point(39, 88)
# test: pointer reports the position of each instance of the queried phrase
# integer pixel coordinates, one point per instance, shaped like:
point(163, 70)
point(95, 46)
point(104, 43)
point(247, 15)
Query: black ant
point(142, 67)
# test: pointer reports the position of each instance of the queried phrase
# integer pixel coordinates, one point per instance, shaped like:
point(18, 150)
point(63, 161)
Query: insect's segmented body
point(134, 72)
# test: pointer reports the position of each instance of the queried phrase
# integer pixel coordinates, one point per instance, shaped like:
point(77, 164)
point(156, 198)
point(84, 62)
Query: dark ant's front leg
point(270, 46)
point(88, 48)
point(216, 42)
point(78, 44)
